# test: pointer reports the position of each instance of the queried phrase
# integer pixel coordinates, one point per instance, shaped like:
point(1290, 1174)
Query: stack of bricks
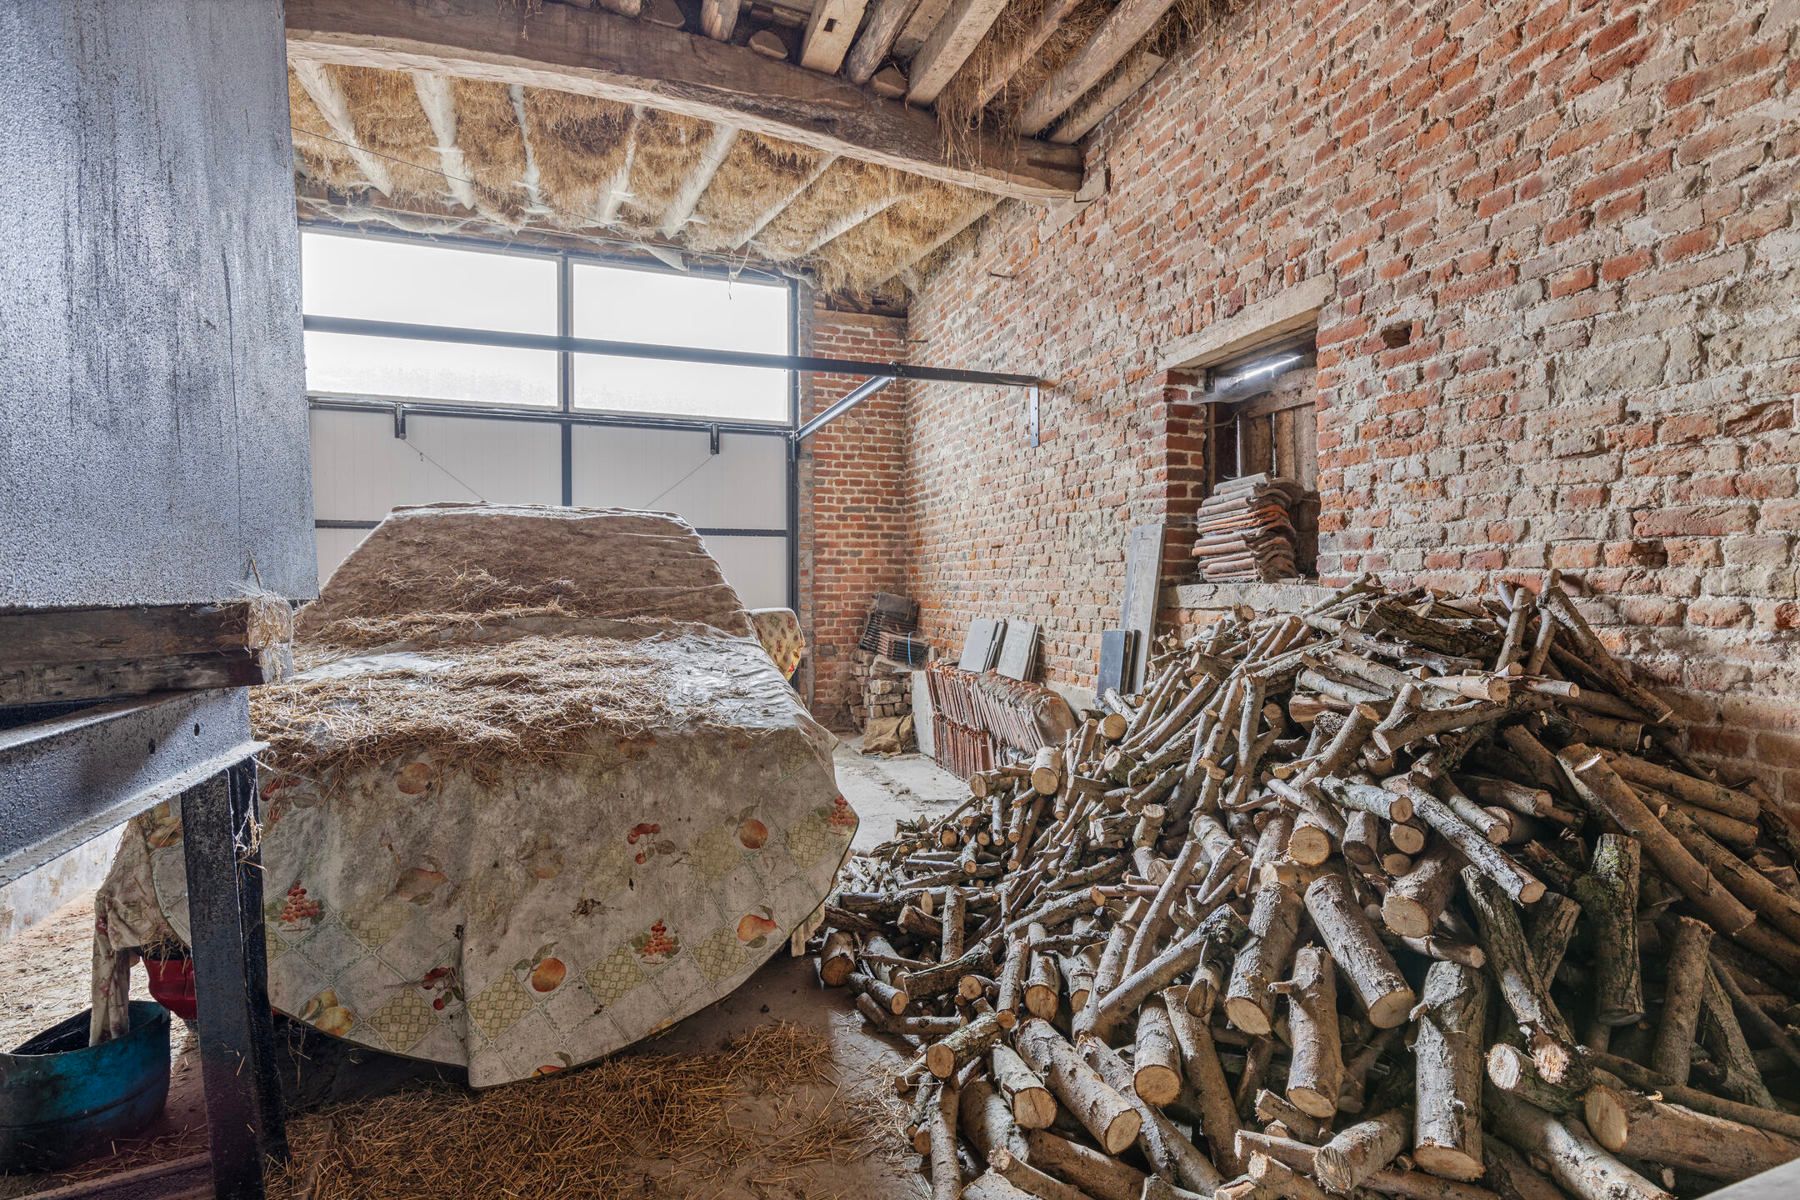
point(883, 688)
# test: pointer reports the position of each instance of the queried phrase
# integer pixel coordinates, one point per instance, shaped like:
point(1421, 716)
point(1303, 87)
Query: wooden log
point(1358, 1151)
point(1047, 770)
point(1316, 1065)
point(1772, 1032)
point(945, 1057)
point(1512, 1178)
point(1201, 1068)
point(1672, 1054)
point(1606, 793)
point(1032, 1105)
point(1153, 976)
point(1359, 954)
point(1761, 896)
point(1511, 1071)
point(1701, 792)
point(1102, 1111)
point(837, 959)
point(1775, 1120)
point(1740, 1077)
point(1155, 1060)
point(951, 945)
point(1519, 797)
point(944, 977)
point(1012, 975)
point(1030, 1180)
point(888, 997)
point(991, 1185)
point(1168, 1151)
point(985, 1119)
point(946, 1171)
point(1482, 855)
point(1417, 899)
point(1652, 1130)
point(1447, 1055)
point(1546, 1033)
point(1098, 1175)
point(1263, 958)
point(1608, 894)
point(1043, 984)
point(1549, 926)
point(1570, 1154)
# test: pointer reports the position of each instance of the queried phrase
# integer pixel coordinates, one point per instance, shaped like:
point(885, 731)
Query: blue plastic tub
point(62, 1101)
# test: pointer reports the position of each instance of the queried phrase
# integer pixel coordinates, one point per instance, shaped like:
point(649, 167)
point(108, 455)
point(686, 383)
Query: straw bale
point(845, 186)
point(487, 129)
point(580, 143)
point(390, 122)
point(667, 148)
point(636, 1124)
point(319, 155)
point(891, 240)
point(756, 175)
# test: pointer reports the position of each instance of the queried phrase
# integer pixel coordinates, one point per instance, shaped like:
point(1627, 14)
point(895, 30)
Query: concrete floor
point(44, 975)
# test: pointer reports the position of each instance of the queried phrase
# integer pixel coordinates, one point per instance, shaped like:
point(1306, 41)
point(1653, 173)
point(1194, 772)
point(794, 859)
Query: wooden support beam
point(436, 98)
point(1121, 30)
point(877, 40)
point(780, 206)
point(51, 655)
point(924, 19)
point(838, 227)
point(634, 62)
point(613, 195)
point(681, 209)
point(949, 47)
point(1009, 61)
point(625, 8)
point(829, 32)
point(335, 108)
point(1092, 109)
point(718, 18)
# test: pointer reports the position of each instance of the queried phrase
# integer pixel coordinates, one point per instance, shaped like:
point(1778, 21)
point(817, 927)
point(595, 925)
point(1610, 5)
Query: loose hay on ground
point(633, 1125)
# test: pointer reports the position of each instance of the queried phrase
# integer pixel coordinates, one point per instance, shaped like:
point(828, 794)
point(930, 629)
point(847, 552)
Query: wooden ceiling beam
point(829, 31)
point(681, 209)
point(1087, 113)
point(1010, 60)
point(949, 47)
point(636, 62)
point(877, 40)
point(334, 106)
point(781, 205)
point(439, 103)
point(718, 18)
point(1123, 28)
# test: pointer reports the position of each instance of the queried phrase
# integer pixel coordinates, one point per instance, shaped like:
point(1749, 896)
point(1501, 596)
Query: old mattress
point(536, 793)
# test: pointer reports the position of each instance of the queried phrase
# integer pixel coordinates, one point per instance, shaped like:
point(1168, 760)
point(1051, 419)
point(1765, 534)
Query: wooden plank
point(718, 18)
point(1287, 311)
point(829, 32)
point(1121, 30)
point(1092, 108)
point(1143, 588)
point(949, 47)
point(93, 653)
point(877, 40)
point(924, 19)
point(698, 180)
point(1008, 62)
point(634, 62)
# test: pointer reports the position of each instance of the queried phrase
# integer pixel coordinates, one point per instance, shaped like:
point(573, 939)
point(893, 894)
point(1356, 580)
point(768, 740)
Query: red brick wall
point(853, 518)
point(1583, 213)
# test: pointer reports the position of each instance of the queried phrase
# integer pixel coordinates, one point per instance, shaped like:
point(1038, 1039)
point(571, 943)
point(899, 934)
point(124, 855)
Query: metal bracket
point(400, 421)
point(1033, 405)
point(712, 432)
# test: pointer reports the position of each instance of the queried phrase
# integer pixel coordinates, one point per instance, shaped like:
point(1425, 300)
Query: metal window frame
point(875, 375)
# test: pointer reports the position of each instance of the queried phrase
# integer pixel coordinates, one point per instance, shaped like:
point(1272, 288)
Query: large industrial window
point(479, 292)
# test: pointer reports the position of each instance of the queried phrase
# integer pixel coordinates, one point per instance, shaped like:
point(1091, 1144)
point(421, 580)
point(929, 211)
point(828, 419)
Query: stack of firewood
point(1405, 895)
point(1246, 530)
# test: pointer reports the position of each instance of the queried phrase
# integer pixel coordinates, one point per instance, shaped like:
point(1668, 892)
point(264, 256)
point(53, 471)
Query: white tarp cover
point(625, 813)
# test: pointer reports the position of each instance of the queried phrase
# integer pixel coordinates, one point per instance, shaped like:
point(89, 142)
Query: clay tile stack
point(1246, 530)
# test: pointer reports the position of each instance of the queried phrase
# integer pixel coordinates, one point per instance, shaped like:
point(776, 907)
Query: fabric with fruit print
point(537, 916)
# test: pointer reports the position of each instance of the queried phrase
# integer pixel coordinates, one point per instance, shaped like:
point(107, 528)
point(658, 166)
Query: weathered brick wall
point(1580, 215)
point(853, 518)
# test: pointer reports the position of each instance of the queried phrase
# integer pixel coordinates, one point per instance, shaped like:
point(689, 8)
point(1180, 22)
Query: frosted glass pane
point(413, 370)
point(623, 305)
point(424, 284)
point(639, 385)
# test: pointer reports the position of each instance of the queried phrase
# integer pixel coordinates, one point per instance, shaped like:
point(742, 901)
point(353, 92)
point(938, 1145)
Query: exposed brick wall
point(853, 518)
point(1582, 214)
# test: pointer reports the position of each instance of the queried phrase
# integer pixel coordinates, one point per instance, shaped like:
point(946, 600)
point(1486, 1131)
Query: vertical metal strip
point(565, 371)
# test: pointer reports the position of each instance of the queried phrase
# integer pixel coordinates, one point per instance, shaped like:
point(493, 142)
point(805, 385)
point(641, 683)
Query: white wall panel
point(744, 486)
point(755, 566)
point(334, 547)
point(361, 470)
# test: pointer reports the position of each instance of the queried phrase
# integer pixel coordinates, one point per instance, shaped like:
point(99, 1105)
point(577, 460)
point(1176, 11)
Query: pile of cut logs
point(1405, 895)
point(1246, 530)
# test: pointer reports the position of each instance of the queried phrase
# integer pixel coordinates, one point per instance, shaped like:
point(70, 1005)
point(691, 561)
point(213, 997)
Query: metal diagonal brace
point(857, 395)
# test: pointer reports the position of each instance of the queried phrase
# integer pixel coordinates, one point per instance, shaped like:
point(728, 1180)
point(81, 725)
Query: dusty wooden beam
point(925, 17)
point(695, 185)
point(877, 40)
point(829, 32)
point(1105, 50)
point(335, 108)
point(949, 47)
point(719, 18)
point(93, 653)
point(633, 62)
point(1092, 109)
point(1008, 62)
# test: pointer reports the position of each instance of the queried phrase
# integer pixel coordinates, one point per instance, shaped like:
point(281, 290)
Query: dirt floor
point(44, 978)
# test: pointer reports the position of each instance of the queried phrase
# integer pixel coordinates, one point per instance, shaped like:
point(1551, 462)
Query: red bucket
point(172, 984)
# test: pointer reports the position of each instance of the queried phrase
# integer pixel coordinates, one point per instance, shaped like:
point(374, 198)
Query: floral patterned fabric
point(526, 920)
point(778, 629)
